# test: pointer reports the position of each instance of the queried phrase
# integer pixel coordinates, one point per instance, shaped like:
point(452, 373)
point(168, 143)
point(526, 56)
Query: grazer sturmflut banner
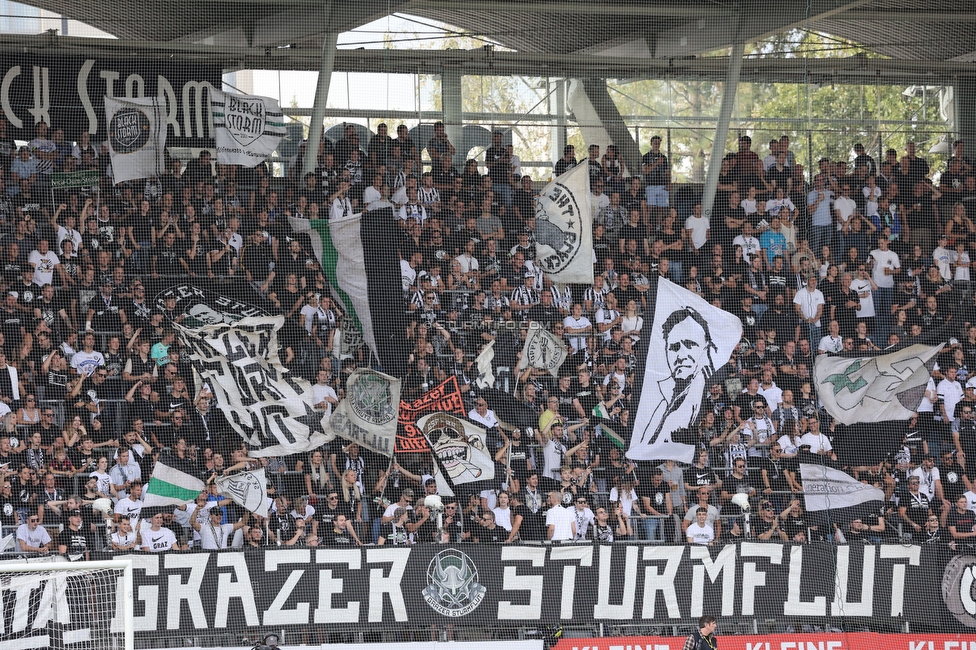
point(247, 128)
point(847, 587)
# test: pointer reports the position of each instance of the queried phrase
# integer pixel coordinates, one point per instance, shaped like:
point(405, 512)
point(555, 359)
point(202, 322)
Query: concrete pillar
point(326, 64)
point(451, 107)
point(557, 139)
point(722, 128)
point(964, 98)
point(597, 114)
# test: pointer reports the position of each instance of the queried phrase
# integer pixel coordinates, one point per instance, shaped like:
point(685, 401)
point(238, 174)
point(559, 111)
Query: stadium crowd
point(858, 255)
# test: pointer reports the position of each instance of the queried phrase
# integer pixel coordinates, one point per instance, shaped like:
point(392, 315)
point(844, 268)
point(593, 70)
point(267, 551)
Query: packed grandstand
point(103, 386)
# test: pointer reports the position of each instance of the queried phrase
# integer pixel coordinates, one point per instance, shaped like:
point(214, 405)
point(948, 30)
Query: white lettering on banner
point(585, 556)
point(664, 584)
point(811, 645)
point(752, 578)
point(86, 104)
point(841, 606)
point(757, 646)
point(914, 556)
point(330, 587)
point(230, 589)
point(193, 95)
point(8, 79)
point(793, 605)
point(921, 645)
point(625, 610)
point(275, 614)
point(42, 96)
point(177, 591)
point(723, 565)
point(513, 581)
point(202, 113)
point(148, 595)
point(960, 645)
point(388, 584)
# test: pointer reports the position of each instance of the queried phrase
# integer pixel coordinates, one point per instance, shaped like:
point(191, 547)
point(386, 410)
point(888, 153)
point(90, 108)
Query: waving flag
point(690, 341)
point(542, 350)
point(828, 488)
point(172, 483)
point(247, 128)
point(369, 290)
point(876, 388)
point(247, 489)
point(136, 137)
point(368, 414)
point(564, 228)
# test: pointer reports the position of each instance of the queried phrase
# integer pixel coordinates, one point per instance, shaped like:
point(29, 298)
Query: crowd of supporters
point(856, 256)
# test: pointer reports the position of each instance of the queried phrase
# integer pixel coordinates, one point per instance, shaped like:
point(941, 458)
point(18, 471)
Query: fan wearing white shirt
point(215, 535)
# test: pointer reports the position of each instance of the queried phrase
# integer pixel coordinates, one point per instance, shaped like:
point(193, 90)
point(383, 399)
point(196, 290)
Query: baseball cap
point(971, 383)
point(74, 513)
point(408, 492)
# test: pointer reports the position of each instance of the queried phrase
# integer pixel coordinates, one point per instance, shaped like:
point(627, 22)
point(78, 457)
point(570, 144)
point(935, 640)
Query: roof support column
point(600, 108)
point(722, 128)
point(964, 98)
point(326, 65)
point(557, 138)
point(451, 107)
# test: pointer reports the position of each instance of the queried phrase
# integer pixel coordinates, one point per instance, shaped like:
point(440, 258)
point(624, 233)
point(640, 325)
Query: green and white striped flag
point(171, 483)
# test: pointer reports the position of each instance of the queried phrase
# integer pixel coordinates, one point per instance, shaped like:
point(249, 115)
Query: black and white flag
point(247, 128)
point(270, 408)
point(368, 414)
point(136, 137)
point(564, 228)
point(689, 340)
point(247, 489)
point(827, 488)
point(876, 388)
point(460, 448)
point(542, 350)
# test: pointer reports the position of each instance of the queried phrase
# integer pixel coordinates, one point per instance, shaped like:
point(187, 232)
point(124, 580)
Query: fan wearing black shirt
point(74, 541)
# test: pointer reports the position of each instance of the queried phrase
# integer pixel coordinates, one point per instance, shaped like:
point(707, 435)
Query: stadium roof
point(615, 37)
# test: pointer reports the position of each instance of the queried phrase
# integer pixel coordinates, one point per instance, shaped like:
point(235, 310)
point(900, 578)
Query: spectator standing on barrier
point(704, 637)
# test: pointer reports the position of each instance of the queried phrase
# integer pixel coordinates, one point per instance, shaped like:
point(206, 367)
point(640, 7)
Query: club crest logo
point(959, 588)
point(452, 584)
point(544, 351)
point(372, 399)
point(247, 488)
point(129, 130)
point(244, 118)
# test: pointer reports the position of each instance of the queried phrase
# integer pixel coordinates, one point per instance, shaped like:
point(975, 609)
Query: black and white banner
point(136, 137)
point(269, 407)
point(247, 128)
point(67, 92)
point(510, 585)
point(368, 414)
point(690, 340)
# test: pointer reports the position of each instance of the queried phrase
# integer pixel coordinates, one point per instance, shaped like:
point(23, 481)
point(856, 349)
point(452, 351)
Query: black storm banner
point(845, 587)
point(67, 92)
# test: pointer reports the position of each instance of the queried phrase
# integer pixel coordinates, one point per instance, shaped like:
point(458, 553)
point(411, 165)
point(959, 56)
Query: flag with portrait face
point(689, 341)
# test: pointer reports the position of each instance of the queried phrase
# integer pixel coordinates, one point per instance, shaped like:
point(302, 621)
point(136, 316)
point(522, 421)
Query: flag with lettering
point(270, 408)
point(136, 137)
point(368, 414)
point(248, 489)
point(829, 488)
point(874, 388)
point(563, 230)
point(247, 128)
